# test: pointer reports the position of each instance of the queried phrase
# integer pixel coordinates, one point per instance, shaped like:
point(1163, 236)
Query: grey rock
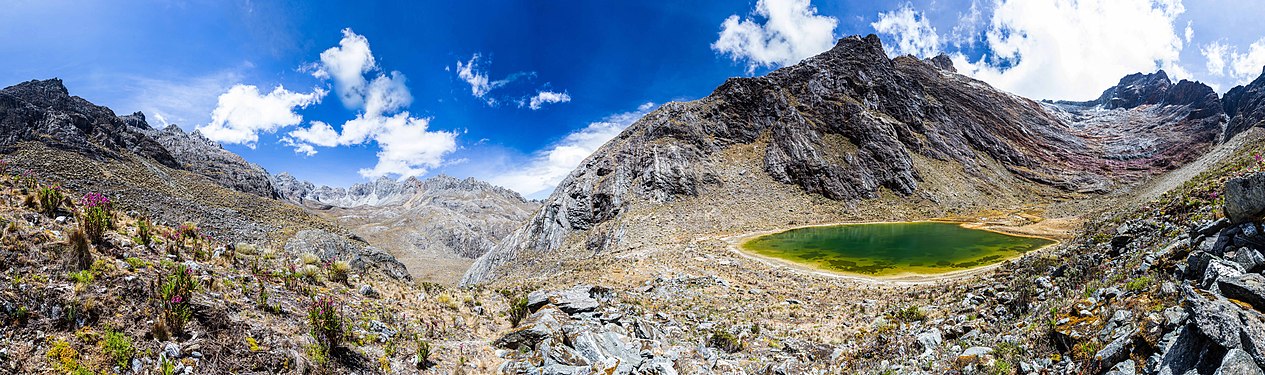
point(1189, 351)
point(1214, 318)
point(171, 350)
point(1219, 269)
point(976, 351)
point(1114, 352)
point(1251, 259)
point(1249, 288)
point(329, 247)
point(203, 156)
point(1238, 362)
point(1125, 367)
point(367, 291)
point(929, 341)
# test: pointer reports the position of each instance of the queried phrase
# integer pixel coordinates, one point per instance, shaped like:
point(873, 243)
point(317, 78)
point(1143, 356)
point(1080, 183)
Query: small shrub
point(723, 340)
point(518, 310)
point(119, 347)
point(49, 199)
point(136, 263)
point(423, 354)
point(910, 314)
point(81, 277)
point(310, 273)
point(1139, 284)
point(144, 232)
point(80, 250)
point(338, 271)
point(175, 295)
point(166, 366)
point(95, 216)
point(65, 359)
point(309, 258)
point(325, 324)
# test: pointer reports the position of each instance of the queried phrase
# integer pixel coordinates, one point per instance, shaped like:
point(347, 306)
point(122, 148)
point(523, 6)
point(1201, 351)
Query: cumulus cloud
point(550, 166)
point(1225, 60)
point(243, 112)
point(1215, 55)
point(913, 34)
point(347, 64)
point(778, 33)
point(548, 97)
point(1073, 49)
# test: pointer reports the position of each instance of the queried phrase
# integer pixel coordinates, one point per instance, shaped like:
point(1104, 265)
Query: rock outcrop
point(44, 111)
point(1244, 106)
point(196, 153)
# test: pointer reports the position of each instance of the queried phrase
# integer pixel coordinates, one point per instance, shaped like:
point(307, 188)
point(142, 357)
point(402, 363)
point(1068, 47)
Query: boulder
point(1214, 317)
point(1114, 352)
point(1219, 269)
point(1196, 263)
point(1189, 352)
point(1238, 362)
point(1245, 198)
point(1249, 288)
point(1251, 259)
point(1126, 367)
point(929, 341)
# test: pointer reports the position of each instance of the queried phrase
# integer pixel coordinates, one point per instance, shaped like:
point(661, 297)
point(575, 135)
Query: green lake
point(888, 249)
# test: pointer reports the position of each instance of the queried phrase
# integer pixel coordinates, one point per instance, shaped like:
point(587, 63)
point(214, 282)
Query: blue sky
point(336, 93)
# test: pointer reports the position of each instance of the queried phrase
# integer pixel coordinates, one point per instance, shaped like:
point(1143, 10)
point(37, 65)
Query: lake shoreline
point(735, 243)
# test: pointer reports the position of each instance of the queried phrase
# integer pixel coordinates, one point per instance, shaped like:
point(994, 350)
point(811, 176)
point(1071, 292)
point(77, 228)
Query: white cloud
point(1073, 49)
point(791, 31)
point(186, 101)
point(967, 30)
point(1215, 54)
point(318, 133)
point(386, 94)
point(548, 97)
point(549, 167)
point(1245, 67)
point(243, 112)
point(912, 33)
point(1190, 31)
point(479, 84)
point(346, 64)
point(406, 147)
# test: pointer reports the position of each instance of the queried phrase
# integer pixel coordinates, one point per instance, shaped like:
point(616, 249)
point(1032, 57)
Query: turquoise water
point(885, 249)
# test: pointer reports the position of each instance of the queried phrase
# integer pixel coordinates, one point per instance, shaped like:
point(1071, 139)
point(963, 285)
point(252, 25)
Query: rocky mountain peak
point(44, 92)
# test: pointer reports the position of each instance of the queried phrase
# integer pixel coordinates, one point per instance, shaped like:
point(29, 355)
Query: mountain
point(168, 176)
point(436, 226)
point(1146, 122)
point(850, 135)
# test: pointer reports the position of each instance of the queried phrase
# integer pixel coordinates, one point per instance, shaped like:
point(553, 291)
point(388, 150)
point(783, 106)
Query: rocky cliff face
point(200, 155)
point(1244, 106)
point(849, 125)
point(436, 226)
point(44, 111)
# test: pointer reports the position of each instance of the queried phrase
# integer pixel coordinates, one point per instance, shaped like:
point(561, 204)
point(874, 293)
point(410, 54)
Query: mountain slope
point(61, 139)
point(877, 138)
point(436, 226)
